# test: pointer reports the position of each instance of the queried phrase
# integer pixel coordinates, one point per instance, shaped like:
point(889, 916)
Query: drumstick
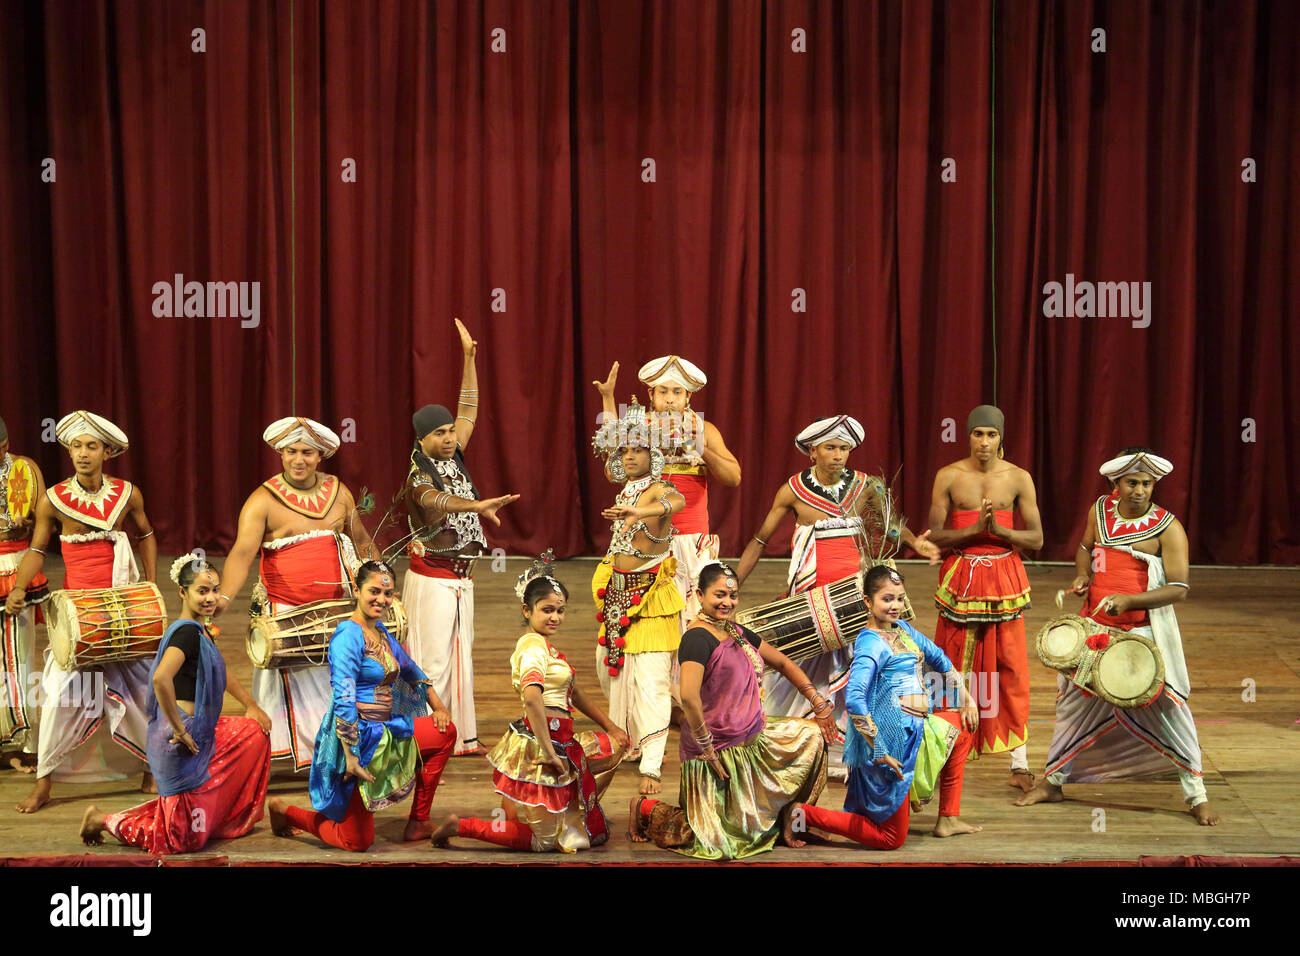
point(1103, 601)
point(1060, 598)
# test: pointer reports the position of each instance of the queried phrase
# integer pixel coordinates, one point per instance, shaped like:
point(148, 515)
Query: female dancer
point(897, 749)
point(372, 749)
point(211, 770)
point(742, 773)
point(548, 777)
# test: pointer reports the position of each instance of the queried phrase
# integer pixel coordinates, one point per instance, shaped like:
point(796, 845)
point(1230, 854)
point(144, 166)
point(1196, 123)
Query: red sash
point(305, 571)
point(836, 558)
point(87, 564)
point(1117, 573)
point(694, 516)
point(431, 567)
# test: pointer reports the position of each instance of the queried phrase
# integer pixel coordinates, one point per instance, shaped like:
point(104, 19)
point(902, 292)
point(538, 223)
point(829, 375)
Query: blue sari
point(174, 768)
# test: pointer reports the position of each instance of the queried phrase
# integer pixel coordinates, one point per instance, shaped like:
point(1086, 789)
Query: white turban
point(837, 428)
point(673, 370)
point(96, 426)
point(1129, 464)
point(286, 431)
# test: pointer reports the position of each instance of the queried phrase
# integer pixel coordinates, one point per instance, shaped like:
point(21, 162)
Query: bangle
point(760, 541)
point(224, 598)
point(38, 551)
point(466, 418)
point(143, 536)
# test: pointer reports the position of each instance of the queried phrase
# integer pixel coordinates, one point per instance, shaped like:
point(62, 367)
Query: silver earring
point(616, 469)
point(657, 462)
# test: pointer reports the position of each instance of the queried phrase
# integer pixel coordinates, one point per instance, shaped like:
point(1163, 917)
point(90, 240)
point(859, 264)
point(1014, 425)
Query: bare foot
point(914, 806)
point(649, 785)
point(1021, 780)
point(952, 826)
point(19, 763)
point(417, 830)
point(147, 784)
point(92, 826)
point(1204, 815)
point(39, 796)
point(1042, 793)
point(479, 751)
point(787, 829)
point(634, 820)
point(446, 830)
point(280, 824)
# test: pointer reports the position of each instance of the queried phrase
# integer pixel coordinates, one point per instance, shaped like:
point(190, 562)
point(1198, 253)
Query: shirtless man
point(637, 599)
point(827, 501)
point(983, 590)
point(90, 510)
point(306, 525)
point(21, 488)
point(1131, 567)
point(693, 454)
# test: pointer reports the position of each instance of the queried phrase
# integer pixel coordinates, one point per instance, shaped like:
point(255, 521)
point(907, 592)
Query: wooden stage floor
point(1238, 630)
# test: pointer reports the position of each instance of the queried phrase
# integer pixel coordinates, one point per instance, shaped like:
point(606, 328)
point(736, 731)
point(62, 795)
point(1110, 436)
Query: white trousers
point(18, 708)
point(641, 702)
point(440, 635)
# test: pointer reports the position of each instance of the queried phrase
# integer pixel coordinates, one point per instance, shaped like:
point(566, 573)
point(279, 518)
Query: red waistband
point(446, 568)
point(87, 564)
point(560, 729)
point(302, 572)
point(17, 544)
point(694, 516)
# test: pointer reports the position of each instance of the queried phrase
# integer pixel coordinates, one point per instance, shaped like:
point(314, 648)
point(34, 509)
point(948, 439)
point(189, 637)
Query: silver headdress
point(636, 429)
point(541, 568)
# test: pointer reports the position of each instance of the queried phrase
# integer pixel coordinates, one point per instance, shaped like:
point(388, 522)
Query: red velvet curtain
point(828, 206)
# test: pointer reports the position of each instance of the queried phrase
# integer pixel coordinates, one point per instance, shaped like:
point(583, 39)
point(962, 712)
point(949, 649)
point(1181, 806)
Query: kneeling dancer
point(742, 772)
point(376, 744)
point(211, 770)
point(896, 750)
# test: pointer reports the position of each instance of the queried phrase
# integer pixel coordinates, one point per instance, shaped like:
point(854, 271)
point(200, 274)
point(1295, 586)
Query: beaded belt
point(461, 567)
point(913, 711)
point(632, 580)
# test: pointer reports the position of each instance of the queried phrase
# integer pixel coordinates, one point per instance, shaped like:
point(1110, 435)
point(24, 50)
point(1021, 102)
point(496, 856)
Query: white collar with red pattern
point(99, 509)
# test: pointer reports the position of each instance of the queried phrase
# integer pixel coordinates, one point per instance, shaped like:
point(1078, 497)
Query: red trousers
point(891, 834)
point(356, 831)
point(511, 833)
point(225, 806)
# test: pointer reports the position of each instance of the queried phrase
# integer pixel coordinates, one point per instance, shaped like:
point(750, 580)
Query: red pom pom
point(600, 593)
point(636, 598)
point(619, 642)
point(600, 616)
point(1098, 641)
point(601, 640)
point(623, 621)
point(613, 672)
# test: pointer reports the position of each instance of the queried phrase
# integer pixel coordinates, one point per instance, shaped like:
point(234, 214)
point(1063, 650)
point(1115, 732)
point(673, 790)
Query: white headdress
point(283, 433)
point(837, 428)
point(179, 564)
point(541, 568)
point(96, 426)
point(1129, 464)
point(673, 370)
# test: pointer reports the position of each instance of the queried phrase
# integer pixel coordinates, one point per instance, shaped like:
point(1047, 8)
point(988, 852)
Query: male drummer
point(444, 515)
point(91, 510)
point(695, 452)
point(306, 525)
point(827, 501)
point(983, 590)
point(1132, 567)
point(21, 487)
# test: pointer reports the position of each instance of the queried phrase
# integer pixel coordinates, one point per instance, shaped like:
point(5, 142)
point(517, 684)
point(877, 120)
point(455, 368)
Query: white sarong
point(73, 742)
point(692, 552)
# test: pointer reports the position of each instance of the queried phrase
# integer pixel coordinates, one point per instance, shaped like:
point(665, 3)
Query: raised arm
point(468, 404)
point(782, 505)
point(145, 542)
point(248, 539)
